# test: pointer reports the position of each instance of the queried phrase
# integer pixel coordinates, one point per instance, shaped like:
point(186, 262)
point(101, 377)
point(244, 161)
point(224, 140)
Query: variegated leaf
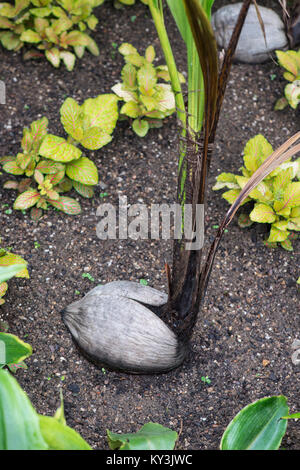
point(11, 259)
point(67, 205)
point(64, 185)
point(30, 36)
point(291, 198)
point(277, 235)
point(288, 62)
point(70, 116)
point(131, 109)
point(14, 367)
point(94, 138)
point(56, 177)
point(150, 54)
point(292, 93)
point(165, 98)
point(76, 38)
point(40, 12)
point(83, 189)
point(36, 213)
point(27, 199)
point(38, 176)
point(58, 149)
point(49, 167)
point(102, 111)
point(256, 151)
point(24, 184)
point(10, 184)
point(121, 90)
point(13, 168)
point(53, 55)
point(69, 59)
point(3, 288)
point(92, 47)
point(146, 77)
point(38, 130)
point(140, 127)
point(127, 48)
point(129, 76)
point(7, 158)
point(83, 170)
point(262, 213)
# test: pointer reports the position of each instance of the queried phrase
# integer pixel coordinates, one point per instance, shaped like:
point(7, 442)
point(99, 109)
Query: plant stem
point(156, 10)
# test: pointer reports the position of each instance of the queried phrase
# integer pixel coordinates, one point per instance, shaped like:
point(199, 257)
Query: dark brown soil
point(242, 341)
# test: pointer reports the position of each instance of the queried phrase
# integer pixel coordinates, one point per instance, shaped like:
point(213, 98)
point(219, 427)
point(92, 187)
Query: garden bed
point(242, 341)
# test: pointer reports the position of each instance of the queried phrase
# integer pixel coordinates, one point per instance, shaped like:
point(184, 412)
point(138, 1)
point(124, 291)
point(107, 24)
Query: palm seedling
point(117, 324)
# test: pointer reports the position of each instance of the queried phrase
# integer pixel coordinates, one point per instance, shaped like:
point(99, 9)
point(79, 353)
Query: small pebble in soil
point(74, 388)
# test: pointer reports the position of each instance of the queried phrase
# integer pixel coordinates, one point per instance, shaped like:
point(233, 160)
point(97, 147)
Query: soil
point(250, 317)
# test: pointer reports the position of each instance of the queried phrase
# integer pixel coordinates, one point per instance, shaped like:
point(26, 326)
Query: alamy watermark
point(139, 222)
point(2, 92)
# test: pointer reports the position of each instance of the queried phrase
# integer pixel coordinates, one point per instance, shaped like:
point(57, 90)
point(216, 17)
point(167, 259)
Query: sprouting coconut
point(135, 328)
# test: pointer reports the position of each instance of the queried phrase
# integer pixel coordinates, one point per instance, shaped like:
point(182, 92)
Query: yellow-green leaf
point(129, 75)
point(256, 151)
point(131, 109)
point(27, 199)
point(83, 170)
point(291, 198)
point(67, 205)
point(70, 116)
point(102, 111)
point(146, 77)
point(140, 127)
point(30, 36)
point(123, 92)
point(83, 189)
point(127, 48)
point(12, 168)
point(94, 138)
point(3, 288)
point(292, 93)
point(262, 213)
point(58, 149)
point(53, 55)
point(231, 195)
point(277, 235)
point(287, 62)
point(150, 54)
point(69, 59)
point(165, 98)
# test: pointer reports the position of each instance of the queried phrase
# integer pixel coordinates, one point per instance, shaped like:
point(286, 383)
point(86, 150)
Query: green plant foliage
point(10, 265)
point(58, 436)
point(22, 428)
point(19, 422)
point(258, 426)
point(147, 101)
point(13, 350)
point(276, 199)
point(58, 29)
point(53, 165)
point(290, 61)
point(151, 436)
point(121, 3)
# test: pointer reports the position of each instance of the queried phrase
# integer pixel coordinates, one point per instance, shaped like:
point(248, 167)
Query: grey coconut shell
point(113, 328)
